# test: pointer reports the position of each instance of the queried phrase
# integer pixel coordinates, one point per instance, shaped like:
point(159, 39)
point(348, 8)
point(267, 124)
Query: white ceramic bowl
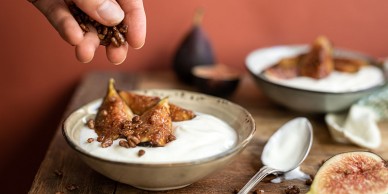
point(302, 100)
point(167, 176)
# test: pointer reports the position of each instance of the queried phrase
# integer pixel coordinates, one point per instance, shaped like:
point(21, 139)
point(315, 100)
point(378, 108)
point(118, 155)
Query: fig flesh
point(141, 103)
point(353, 173)
point(156, 125)
point(318, 63)
point(110, 116)
point(194, 50)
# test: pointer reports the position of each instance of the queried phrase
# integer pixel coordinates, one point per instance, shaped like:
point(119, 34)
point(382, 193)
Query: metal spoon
point(285, 150)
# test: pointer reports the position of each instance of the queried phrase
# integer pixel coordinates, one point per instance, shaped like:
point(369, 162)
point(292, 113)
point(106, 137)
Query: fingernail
point(110, 12)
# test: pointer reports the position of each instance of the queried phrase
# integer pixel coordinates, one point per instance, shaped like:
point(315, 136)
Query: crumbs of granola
point(235, 191)
point(141, 153)
point(292, 190)
point(90, 123)
point(100, 138)
point(90, 140)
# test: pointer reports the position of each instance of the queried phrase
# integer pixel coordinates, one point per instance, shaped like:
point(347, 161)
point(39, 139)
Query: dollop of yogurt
point(202, 137)
point(366, 77)
point(287, 148)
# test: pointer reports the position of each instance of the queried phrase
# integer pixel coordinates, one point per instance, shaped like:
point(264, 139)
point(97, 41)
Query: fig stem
point(198, 16)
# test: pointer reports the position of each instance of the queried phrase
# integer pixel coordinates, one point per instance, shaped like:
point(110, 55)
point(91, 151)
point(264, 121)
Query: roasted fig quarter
point(353, 173)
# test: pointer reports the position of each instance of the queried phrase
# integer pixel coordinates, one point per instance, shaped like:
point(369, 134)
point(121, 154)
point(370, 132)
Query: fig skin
point(353, 173)
point(194, 50)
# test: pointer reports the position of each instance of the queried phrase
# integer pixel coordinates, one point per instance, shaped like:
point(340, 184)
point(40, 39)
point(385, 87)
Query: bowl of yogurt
point(203, 145)
point(334, 93)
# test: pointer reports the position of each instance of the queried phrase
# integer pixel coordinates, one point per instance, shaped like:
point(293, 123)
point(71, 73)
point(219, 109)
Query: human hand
point(106, 12)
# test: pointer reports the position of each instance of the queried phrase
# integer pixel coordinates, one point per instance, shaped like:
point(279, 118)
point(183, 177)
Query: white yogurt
point(366, 77)
point(287, 146)
point(201, 137)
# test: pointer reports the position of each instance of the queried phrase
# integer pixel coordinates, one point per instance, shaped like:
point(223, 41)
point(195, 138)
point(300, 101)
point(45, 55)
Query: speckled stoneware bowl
point(299, 99)
point(168, 176)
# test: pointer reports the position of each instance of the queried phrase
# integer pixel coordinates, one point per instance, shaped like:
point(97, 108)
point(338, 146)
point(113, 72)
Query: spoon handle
point(263, 172)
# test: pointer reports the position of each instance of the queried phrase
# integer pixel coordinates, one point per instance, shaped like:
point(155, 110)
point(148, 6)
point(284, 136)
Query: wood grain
point(61, 168)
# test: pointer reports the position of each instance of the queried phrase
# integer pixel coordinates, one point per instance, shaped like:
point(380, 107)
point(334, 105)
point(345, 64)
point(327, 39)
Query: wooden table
point(63, 172)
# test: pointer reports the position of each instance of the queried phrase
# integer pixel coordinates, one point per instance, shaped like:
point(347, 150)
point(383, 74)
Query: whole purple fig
point(194, 50)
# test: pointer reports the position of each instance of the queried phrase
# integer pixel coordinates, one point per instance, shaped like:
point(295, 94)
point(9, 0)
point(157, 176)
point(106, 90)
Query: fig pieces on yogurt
point(136, 119)
point(141, 103)
point(352, 172)
point(318, 63)
point(111, 114)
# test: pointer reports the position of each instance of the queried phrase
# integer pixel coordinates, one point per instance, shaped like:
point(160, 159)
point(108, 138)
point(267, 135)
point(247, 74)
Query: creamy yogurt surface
point(287, 146)
point(201, 137)
point(366, 77)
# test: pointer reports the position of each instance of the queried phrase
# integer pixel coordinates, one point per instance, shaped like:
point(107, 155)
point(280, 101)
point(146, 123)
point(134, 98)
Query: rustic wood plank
point(61, 168)
point(268, 116)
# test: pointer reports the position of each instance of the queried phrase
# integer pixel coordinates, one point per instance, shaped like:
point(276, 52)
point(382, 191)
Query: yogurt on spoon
point(284, 151)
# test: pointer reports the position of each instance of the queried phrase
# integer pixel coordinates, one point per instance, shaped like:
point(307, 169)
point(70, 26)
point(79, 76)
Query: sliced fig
point(318, 63)
point(111, 115)
point(138, 103)
point(349, 65)
point(218, 80)
point(286, 68)
point(141, 103)
point(155, 125)
point(353, 173)
point(178, 113)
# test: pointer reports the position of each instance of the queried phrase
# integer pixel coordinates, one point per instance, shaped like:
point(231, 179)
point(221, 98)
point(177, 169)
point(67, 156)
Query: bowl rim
point(234, 150)
point(261, 77)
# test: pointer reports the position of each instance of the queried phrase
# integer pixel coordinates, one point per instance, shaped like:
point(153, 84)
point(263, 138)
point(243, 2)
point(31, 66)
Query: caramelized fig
point(178, 113)
point(141, 103)
point(349, 65)
point(194, 50)
point(353, 173)
point(111, 115)
point(318, 63)
point(138, 103)
point(286, 68)
point(156, 125)
point(218, 80)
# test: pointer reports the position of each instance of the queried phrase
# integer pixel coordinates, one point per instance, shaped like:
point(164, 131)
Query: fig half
point(352, 172)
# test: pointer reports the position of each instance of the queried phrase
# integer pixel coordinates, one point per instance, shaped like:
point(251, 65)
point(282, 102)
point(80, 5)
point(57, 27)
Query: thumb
point(106, 12)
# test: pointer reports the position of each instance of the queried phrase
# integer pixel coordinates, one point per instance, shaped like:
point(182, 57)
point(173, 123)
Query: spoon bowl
point(286, 149)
